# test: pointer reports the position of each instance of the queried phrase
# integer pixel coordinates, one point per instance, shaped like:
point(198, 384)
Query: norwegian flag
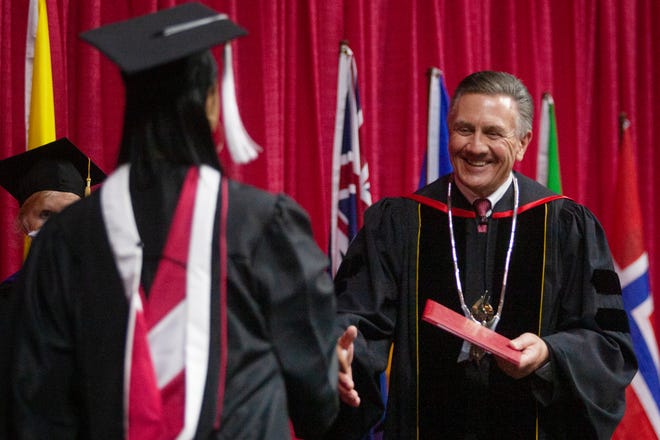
point(351, 190)
point(642, 417)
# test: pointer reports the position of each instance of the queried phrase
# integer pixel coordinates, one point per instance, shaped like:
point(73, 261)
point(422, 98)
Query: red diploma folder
point(469, 330)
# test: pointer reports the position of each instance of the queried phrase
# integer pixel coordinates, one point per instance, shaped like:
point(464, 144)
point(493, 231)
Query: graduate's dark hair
point(165, 115)
point(489, 82)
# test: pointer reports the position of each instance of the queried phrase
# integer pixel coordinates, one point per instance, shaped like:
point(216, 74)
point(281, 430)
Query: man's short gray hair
point(493, 83)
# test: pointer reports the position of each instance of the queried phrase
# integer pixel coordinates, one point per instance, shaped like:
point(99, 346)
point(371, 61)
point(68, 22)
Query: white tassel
point(241, 146)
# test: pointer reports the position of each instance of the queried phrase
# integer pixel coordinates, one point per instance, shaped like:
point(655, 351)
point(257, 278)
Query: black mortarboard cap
point(169, 35)
point(57, 166)
point(159, 38)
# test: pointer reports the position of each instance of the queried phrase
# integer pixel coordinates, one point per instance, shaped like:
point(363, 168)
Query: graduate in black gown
point(176, 303)
point(535, 267)
point(43, 180)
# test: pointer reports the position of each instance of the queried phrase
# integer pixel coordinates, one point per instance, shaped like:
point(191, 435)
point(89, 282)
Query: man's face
point(40, 210)
point(483, 142)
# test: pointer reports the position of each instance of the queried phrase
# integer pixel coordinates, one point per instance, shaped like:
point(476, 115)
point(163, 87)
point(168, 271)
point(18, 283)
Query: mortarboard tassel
point(241, 146)
point(88, 185)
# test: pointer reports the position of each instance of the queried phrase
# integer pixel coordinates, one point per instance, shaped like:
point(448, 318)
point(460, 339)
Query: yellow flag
point(41, 108)
point(41, 118)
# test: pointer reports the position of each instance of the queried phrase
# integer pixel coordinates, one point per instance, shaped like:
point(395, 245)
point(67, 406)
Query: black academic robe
point(281, 363)
point(561, 286)
point(7, 306)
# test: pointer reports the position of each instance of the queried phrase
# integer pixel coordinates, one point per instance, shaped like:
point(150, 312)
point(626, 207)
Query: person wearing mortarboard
point(43, 181)
point(202, 307)
point(47, 179)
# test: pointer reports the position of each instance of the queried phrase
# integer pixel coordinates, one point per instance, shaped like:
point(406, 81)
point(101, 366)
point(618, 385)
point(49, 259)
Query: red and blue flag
point(642, 416)
point(351, 189)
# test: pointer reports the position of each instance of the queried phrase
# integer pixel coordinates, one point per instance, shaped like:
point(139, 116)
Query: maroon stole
point(167, 347)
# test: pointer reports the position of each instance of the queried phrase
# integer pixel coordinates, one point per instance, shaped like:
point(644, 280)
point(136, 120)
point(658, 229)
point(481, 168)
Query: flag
point(642, 416)
point(436, 160)
point(547, 165)
point(39, 103)
point(351, 190)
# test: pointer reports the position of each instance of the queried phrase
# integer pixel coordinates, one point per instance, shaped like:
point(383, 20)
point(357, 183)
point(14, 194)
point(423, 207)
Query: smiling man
point(504, 251)
point(485, 142)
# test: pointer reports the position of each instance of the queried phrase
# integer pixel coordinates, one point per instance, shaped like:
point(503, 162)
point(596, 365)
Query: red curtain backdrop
point(596, 57)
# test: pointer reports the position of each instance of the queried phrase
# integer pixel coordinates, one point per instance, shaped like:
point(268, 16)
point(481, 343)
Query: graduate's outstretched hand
point(345, 348)
point(534, 355)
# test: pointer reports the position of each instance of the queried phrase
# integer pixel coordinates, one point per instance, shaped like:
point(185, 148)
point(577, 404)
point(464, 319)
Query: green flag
point(547, 165)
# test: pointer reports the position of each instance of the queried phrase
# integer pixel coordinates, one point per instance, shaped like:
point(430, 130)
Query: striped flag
point(436, 160)
point(642, 417)
point(39, 103)
point(547, 165)
point(351, 190)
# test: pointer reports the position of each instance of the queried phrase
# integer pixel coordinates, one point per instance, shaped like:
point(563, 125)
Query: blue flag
point(436, 160)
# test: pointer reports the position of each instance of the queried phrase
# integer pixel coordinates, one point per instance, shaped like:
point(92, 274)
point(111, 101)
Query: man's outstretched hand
point(345, 348)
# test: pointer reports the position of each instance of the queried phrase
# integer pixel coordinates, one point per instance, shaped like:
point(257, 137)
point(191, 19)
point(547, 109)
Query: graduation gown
point(281, 362)
point(7, 312)
point(561, 286)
